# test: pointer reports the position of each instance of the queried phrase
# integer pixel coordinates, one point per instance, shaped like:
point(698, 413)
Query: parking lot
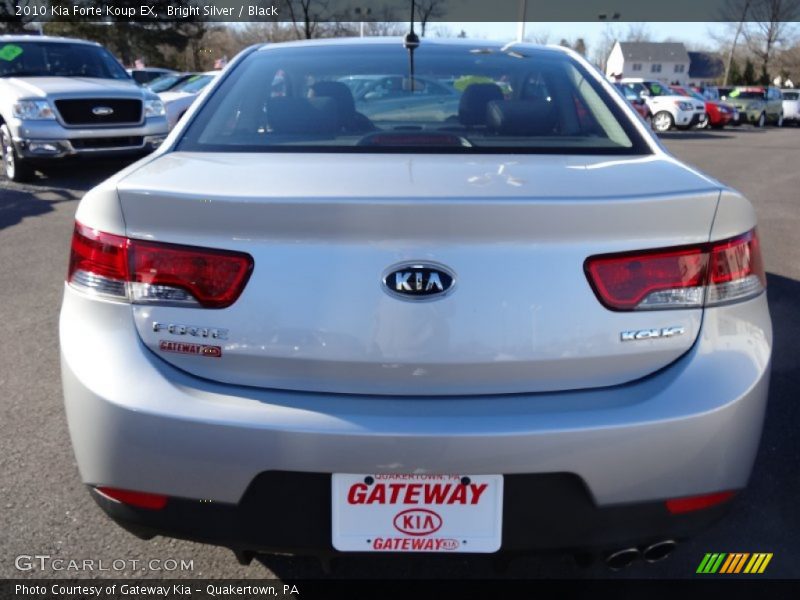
point(47, 511)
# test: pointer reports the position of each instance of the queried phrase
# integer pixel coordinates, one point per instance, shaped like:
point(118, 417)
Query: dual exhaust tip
point(653, 553)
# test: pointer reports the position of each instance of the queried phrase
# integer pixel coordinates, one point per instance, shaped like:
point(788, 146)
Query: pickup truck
point(65, 97)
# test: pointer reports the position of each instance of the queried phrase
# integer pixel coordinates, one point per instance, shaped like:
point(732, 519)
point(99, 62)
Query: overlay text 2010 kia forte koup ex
point(473, 307)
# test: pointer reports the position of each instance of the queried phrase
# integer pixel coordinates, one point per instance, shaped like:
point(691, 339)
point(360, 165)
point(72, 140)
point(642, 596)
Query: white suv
point(668, 109)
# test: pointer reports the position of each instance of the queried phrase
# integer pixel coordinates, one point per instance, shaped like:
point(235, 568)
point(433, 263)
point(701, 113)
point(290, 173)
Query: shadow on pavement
point(19, 203)
point(78, 175)
point(63, 182)
point(774, 478)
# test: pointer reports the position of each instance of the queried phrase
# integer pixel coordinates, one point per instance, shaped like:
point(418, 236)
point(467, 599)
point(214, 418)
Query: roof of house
point(703, 65)
point(654, 51)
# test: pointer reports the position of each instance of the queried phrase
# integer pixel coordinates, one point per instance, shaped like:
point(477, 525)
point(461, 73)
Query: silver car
point(62, 97)
point(520, 326)
point(791, 106)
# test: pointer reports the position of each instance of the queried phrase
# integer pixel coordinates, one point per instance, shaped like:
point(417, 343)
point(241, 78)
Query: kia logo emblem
point(418, 281)
point(417, 521)
point(102, 111)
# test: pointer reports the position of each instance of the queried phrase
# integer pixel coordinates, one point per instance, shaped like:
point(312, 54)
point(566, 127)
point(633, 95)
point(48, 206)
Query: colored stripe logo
point(734, 562)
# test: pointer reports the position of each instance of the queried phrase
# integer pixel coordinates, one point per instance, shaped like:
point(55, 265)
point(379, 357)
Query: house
point(705, 69)
point(664, 61)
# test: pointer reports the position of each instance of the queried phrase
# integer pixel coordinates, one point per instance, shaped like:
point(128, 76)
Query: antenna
point(411, 43)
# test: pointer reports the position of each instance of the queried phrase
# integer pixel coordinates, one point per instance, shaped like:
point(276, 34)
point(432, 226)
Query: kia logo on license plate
point(417, 521)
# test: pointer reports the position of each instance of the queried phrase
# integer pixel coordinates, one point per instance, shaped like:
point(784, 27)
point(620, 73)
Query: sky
point(592, 32)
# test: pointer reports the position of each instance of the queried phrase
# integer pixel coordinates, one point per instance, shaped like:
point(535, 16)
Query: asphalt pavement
point(46, 510)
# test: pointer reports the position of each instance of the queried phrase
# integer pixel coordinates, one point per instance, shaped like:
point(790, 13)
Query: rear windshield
point(689, 93)
point(632, 91)
point(364, 98)
point(195, 83)
point(58, 59)
point(165, 82)
point(654, 88)
point(791, 95)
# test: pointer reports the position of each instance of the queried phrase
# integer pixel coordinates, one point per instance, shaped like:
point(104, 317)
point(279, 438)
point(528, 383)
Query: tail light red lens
point(678, 506)
point(214, 278)
point(151, 272)
point(137, 499)
point(100, 253)
point(684, 277)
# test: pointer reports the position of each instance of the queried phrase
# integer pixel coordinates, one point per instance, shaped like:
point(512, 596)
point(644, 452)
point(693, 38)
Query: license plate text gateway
point(417, 513)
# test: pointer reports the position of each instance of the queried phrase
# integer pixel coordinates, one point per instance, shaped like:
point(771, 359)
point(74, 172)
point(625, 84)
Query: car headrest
point(473, 103)
point(521, 117)
point(302, 115)
point(339, 92)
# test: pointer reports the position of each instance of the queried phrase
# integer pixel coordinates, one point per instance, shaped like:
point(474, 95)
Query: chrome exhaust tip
point(659, 551)
point(622, 558)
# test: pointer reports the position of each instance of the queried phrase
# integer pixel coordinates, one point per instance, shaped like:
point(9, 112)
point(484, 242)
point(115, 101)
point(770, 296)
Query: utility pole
point(523, 5)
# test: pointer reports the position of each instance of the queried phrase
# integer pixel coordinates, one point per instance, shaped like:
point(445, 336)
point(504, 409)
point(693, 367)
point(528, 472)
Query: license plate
point(417, 513)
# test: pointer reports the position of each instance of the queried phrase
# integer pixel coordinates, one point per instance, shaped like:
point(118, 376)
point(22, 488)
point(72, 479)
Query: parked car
point(166, 83)
point(668, 109)
point(791, 106)
point(180, 98)
point(637, 101)
point(758, 105)
point(521, 326)
point(718, 114)
point(724, 91)
point(145, 75)
point(63, 97)
point(389, 97)
point(717, 93)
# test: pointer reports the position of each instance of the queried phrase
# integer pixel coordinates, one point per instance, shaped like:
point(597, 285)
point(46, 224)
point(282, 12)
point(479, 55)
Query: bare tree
point(385, 28)
point(734, 11)
point(444, 31)
point(638, 32)
point(306, 16)
point(258, 32)
point(611, 34)
point(384, 23)
point(579, 45)
point(541, 37)
point(10, 20)
point(427, 10)
point(770, 27)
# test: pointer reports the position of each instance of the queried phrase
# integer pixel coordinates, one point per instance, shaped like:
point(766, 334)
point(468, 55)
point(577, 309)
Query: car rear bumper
point(138, 423)
point(291, 512)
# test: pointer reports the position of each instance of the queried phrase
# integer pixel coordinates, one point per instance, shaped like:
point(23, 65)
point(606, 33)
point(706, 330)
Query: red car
point(719, 113)
point(638, 103)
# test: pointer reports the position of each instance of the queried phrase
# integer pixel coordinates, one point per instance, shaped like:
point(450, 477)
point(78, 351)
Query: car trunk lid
point(325, 229)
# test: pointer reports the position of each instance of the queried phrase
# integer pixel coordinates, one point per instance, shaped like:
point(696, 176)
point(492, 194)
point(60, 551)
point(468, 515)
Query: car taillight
point(137, 499)
point(152, 272)
point(684, 277)
point(677, 506)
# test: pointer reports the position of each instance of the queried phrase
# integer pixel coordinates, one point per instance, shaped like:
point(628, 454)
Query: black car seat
point(350, 120)
point(474, 102)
